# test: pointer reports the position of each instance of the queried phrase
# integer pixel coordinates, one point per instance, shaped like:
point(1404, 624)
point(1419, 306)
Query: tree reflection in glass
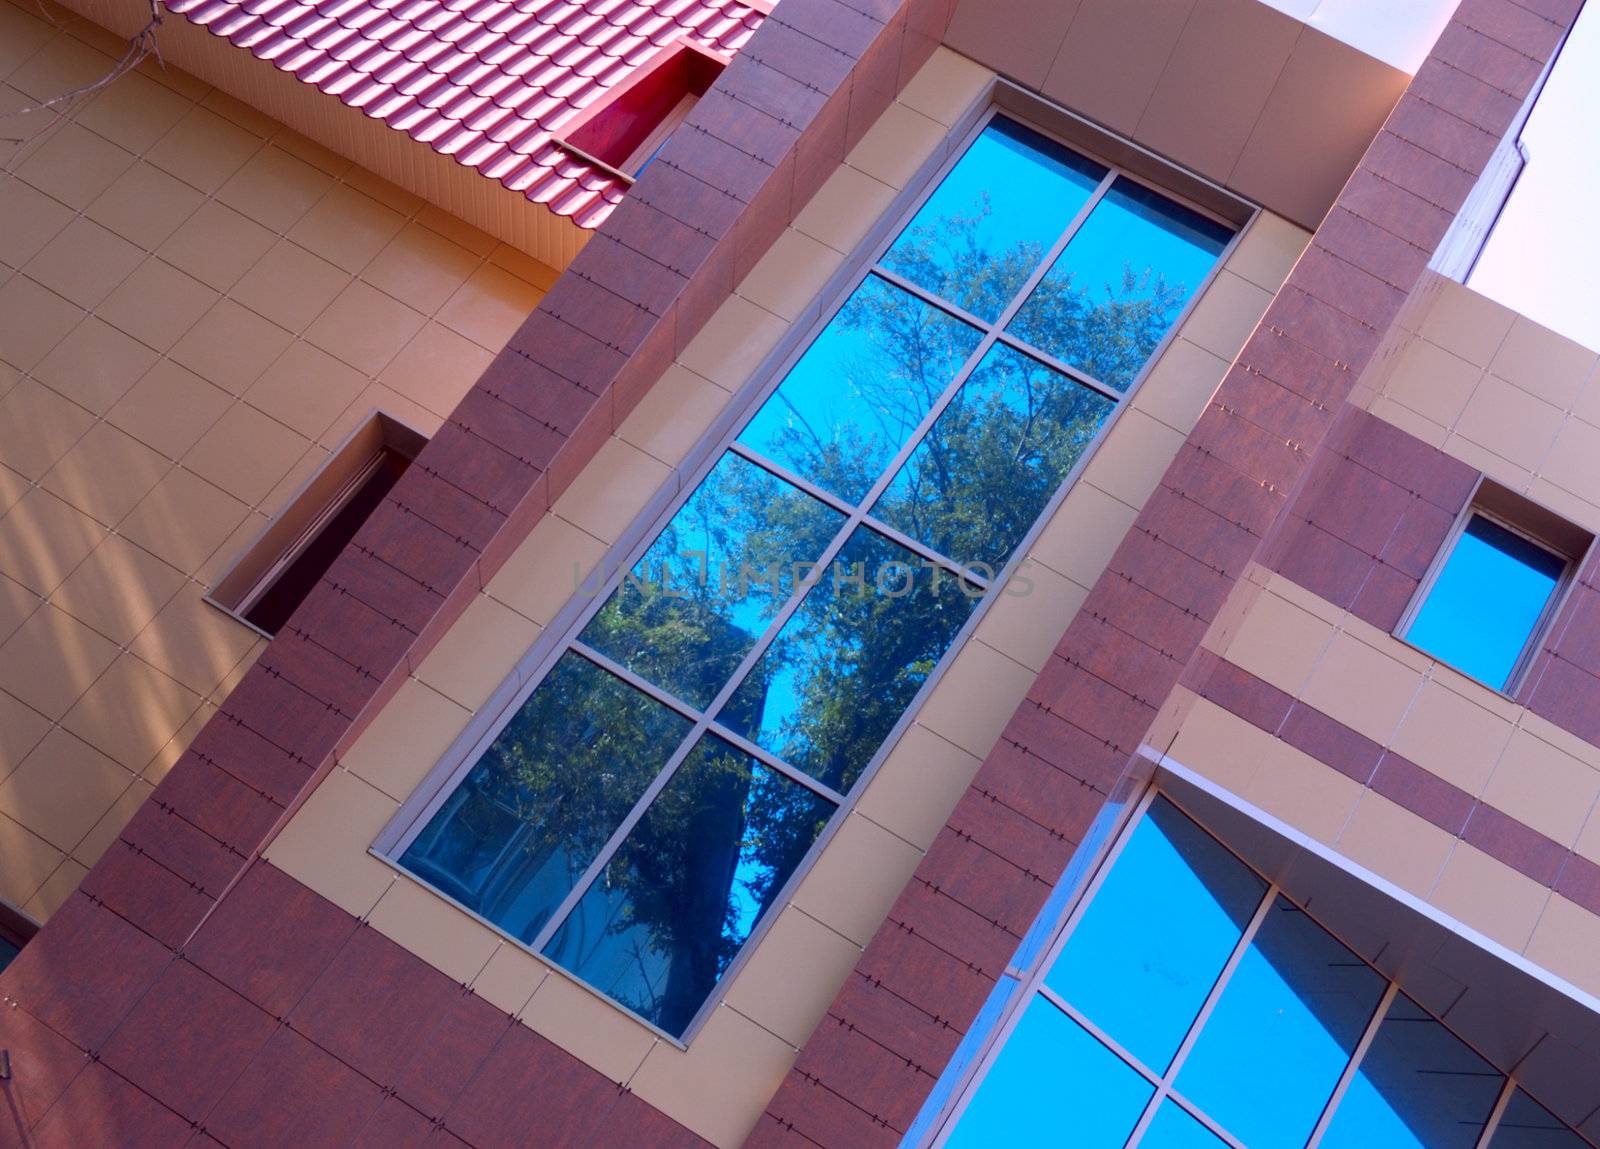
point(861, 388)
point(990, 463)
point(992, 218)
point(826, 693)
point(1125, 275)
point(545, 796)
point(660, 926)
point(716, 576)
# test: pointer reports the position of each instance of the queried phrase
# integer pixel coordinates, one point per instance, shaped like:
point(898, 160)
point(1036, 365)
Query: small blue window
point(1487, 601)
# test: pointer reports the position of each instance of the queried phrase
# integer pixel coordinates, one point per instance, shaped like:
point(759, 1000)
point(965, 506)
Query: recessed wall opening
point(16, 929)
point(625, 130)
point(285, 562)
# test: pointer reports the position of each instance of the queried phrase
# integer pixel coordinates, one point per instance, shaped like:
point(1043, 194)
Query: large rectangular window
point(1189, 1003)
point(641, 807)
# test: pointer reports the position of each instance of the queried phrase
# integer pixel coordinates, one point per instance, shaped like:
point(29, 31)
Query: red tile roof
point(487, 82)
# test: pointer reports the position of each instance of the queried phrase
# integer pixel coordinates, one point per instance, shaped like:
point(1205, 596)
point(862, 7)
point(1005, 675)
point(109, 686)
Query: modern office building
point(687, 573)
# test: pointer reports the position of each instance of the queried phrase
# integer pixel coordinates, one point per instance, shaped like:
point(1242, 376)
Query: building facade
point(860, 574)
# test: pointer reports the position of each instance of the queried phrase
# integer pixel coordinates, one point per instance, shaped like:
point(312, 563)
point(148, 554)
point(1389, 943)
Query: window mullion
point(774, 763)
point(1075, 374)
point(637, 681)
point(618, 836)
point(1507, 1091)
point(1050, 257)
point(1352, 1065)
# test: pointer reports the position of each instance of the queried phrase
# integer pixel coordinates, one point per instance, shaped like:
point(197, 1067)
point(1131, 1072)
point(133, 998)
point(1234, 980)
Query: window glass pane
point(840, 673)
point(1281, 1033)
point(661, 924)
point(1526, 1124)
point(1418, 1085)
point(1148, 949)
point(861, 388)
point(1173, 1128)
point(1486, 601)
point(993, 458)
point(994, 216)
point(1052, 1084)
point(1122, 280)
point(555, 784)
point(718, 573)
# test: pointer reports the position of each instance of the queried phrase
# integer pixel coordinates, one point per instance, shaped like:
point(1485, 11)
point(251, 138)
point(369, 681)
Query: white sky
point(1543, 258)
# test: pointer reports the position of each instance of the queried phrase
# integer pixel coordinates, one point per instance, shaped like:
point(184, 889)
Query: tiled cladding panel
point(488, 82)
point(866, 1069)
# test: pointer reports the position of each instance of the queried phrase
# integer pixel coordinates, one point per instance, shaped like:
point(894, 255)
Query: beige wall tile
point(1452, 736)
point(57, 888)
point(509, 978)
point(131, 712)
point(93, 366)
point(1409, 421)
point(305, 390)
point(897, 145)
point(52, 659)
point(169, 409)
point(489, 307)
point(1432, 382)
point(1315, 799)
point(217, 245)
point(674, 415)
point(33, 319)
point(74, 165)
point(275, 188)
point(157, 304)
point(290, 286)
point(37, 427)
point(857, 878)
point(26, 862)
point(719, 1087)
point(1226, 314)
point(1574, 460)
point(421, 268)
point(1467, 324)
point(787, 279)
point(193, 641)
point(479, 652)
point(791, 978)
point(245, 454)
point(1031, 614)
point(84, 262)
point(1180, 384)
point(733, 343)
point(1279, 642)
point(437, 368)
point(976, 697)
point(118, 589)
point(62, 789)
point(1543, 787)
point(1567, 943)
point(104, 832)
point(1268, 250)
point(1082, 535)
point(64, 63)
point(1542, 363)
point(183, 519)
point(134, 112)
point(347, 228)
point(364, 327)
point(1129, 464)
point(231, 346)
point(1510, 422)
point(324, 844)
point(407, 737)
point(1394, 843)
point(434, 930)
point(1489, 896)
point(918, 785)
point(1221, 746)
point(1362, 688)
point(106, 473)
point(945, 86)
point(553, 563)
point(203, 150)
point(612, 490)
point(587, 1026)
point(845, 208)
point(21, 728)
point(42, 541)
point(32, 218)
